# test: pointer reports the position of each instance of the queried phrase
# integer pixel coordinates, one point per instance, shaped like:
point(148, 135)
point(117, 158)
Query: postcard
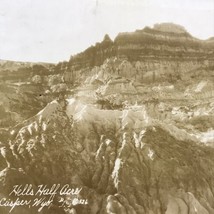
point(107, 107)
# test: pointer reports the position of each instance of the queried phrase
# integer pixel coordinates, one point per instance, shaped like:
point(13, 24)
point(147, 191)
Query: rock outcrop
point(162, 45)
point(125, 161)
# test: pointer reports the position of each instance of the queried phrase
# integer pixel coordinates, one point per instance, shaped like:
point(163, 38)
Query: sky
point(53, 30)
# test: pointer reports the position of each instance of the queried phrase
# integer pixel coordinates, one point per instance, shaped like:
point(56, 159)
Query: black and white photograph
point(106, 106)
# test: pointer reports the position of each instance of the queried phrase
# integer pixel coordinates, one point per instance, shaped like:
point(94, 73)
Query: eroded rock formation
point(135, 132)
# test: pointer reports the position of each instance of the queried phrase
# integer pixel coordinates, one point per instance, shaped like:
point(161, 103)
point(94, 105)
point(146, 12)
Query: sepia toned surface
point(124, 127)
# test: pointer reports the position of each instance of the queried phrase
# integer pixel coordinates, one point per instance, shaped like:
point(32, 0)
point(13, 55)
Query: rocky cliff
point(163, 42)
